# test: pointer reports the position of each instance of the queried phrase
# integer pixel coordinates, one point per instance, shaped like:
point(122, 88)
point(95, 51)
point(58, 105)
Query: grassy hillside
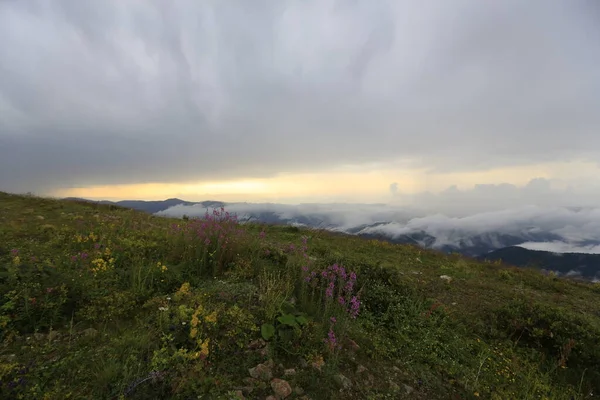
point(104, 302)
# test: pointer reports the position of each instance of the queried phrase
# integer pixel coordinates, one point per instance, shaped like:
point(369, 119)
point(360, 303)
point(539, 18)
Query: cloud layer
point(571, 229)
point(106, 91)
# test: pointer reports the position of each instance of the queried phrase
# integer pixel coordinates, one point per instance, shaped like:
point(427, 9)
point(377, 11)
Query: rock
point(446, 278)
point(9, 358)
point(262, 372)
point(289, 372)
point(90, 332)
point(408, 389)
point(264, 352)
point(41, 218)
point(360, 369)
point(342, 381)
point(352, 345)
point(298, 391)
point(281, 388)
point(394, 387)
point(396, 368)
point(238, 395)
point(257, 344)
point(250, 381)
point(53, 335)
point(271, 397)
point(247, 389)
point(39, 337)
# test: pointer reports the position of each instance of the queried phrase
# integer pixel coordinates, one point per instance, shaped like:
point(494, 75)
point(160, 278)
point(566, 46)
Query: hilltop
point(102, 301)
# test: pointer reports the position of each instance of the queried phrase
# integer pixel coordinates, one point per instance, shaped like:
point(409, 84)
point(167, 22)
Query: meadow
point(103, 302)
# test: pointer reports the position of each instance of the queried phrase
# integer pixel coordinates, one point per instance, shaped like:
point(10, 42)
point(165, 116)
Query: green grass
point(104, 302)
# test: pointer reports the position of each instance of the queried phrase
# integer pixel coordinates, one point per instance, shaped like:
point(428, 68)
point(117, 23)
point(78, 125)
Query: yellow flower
point(212, 317)
point(185, 288)
point(194, 332)
point(476, 394)
point(204, 347)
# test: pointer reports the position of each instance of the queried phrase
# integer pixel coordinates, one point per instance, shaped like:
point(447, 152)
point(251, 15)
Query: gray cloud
point(490, 197)
point(103, 92)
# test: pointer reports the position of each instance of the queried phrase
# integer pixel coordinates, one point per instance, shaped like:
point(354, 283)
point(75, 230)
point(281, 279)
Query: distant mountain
point(586, 266)
point(153, 206)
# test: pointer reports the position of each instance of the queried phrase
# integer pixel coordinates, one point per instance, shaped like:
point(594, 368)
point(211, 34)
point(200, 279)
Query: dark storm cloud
point(104, 92)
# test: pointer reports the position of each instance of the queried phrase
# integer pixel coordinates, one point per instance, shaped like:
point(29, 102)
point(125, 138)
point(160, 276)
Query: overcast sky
point(265, 98)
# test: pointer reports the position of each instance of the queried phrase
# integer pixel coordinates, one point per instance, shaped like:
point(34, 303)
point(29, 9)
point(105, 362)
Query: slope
point(100, 301)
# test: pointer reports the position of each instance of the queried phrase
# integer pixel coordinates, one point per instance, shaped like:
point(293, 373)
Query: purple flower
point(341, 300)
point(349, 286)
point(331, 340)
point(262, 235)
point(14, 252)
point(329, 291)
point(354, 306)
point(333, 320)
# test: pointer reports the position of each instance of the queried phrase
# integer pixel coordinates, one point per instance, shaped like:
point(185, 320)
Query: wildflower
point(204, 348)
point(163, 308)
point(14, 252)
point(333, 320)
point(212, 318)
point(329, 291)
point(262, 234)
point(341, 300)
point(354, 306)
point(194, 332)
point(331, 340)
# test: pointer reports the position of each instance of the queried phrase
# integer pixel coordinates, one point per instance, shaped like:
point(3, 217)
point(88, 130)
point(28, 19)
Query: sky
point(395, 101)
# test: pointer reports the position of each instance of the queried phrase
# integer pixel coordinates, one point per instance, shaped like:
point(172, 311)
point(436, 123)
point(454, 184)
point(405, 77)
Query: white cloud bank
point(567, 229)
